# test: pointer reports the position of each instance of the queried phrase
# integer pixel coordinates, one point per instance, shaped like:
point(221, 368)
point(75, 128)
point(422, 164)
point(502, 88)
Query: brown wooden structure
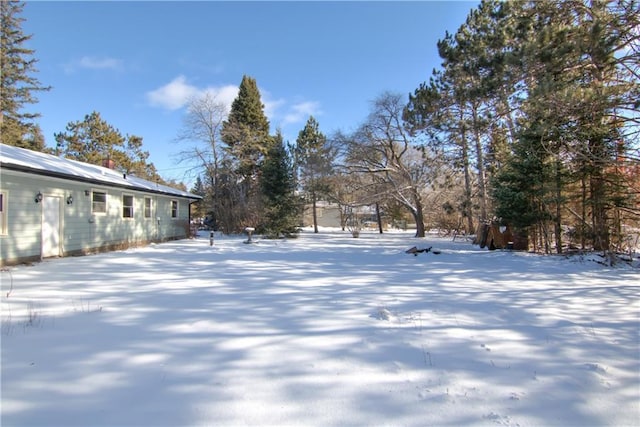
point(495, 236)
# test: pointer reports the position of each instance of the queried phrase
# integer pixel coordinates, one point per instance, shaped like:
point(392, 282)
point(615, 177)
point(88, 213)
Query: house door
point(50, 227)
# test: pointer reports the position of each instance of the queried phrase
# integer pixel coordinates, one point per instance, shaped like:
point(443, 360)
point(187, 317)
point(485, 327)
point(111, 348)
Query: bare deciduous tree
point(398, 168)
point(200, 136)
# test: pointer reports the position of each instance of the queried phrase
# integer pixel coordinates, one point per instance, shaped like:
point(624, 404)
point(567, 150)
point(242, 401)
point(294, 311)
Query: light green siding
point(82, 231)
point(23, 217)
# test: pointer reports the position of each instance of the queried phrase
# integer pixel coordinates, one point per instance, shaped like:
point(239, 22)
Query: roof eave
point(53, 174)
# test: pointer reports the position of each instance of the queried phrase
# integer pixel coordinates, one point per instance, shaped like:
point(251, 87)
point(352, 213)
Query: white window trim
point(106, 202)
point(144, 208)
point(4, 213)
point(171, 209)
point(133, 210)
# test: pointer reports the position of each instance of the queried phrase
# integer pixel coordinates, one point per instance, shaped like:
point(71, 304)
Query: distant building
point(328, 215)
point(333, 215)
point(52, 207)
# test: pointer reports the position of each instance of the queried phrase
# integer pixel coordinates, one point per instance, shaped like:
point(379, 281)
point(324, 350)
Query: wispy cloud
point(271, 105)
point(224, 94)
point(282, 113)
point(94, 63)
point(172, 96)
point(177, 93)
point(300, 112)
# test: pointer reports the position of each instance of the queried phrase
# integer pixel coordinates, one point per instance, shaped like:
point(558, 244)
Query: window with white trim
point(98, 202)
point(3, 213)
point(174, 209)
point(127, 206)
point(147, 207)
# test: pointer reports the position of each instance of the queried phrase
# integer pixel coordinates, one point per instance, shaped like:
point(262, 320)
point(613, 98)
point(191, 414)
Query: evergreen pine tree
point(17, 83)
point(246, 130)
point(247, 139)
point(93, 140)
point(281, 206)
point(522, 189)
point(313, 162)
point(199, 210)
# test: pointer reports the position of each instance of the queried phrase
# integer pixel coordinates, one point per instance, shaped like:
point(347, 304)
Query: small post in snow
point(249, 230)
point(211, 238)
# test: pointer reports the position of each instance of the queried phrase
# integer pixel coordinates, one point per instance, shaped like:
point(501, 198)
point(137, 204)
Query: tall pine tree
point(17, 82)
point(246, 130)
point(281, 205)
point(247, 139)
point(199, 210)
point(313, 160)
point(93, 140)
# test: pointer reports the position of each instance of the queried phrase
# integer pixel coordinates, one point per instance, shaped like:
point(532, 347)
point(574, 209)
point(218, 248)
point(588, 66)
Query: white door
point(50, 227)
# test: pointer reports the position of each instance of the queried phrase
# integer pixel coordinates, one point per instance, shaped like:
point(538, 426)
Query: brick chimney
point(108, 163)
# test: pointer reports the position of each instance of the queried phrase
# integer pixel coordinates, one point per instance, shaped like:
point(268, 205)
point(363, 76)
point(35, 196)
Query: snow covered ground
point(320, 330)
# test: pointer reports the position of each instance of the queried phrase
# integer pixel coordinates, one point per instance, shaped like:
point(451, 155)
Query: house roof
point(20, 159)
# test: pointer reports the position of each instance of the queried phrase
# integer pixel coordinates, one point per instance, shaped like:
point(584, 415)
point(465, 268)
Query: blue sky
point(136, 63)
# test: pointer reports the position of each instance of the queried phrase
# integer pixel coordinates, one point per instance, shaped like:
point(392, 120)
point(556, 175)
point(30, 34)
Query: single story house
point(52, 207)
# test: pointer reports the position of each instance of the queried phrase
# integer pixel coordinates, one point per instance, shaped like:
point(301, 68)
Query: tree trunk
point(467, 205)
point(506, 112)
point(419, 218)
point(418, 214)
point(480, 165)
point(583, 228)
point(599, 214)
point(314, 213)
point(558, 229)
point(558, 218)
point(378, 217)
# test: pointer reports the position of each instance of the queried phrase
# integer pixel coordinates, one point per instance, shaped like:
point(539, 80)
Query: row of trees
point(537, 102)
point(531, 120)
point(249, 172)
point(250, 175)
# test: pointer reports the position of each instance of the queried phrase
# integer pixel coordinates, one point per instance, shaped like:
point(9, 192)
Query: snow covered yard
point(320, 330)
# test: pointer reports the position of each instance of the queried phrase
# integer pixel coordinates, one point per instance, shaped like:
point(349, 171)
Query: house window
point(127, 206)
point(3, 213)
point(147, 207)
point(174, 209)
point(98, 202)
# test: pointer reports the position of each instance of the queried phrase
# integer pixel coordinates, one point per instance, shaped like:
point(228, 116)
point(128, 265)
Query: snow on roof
point(46, 164)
